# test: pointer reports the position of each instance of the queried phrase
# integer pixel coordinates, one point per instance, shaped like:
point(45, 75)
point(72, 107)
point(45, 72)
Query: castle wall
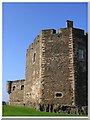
point(56, 72)
point(53, 76)
point(57, 88)
point(17, 92)
point(32, 94)
point(80, 63)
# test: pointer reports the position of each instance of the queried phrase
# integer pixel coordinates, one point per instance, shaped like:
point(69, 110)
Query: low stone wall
point(56, 108)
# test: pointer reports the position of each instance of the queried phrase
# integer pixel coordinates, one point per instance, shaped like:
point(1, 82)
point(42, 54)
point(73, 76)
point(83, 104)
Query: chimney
point(69, 24)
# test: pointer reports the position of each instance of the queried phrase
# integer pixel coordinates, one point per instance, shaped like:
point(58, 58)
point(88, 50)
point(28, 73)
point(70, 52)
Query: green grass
point(24, 111)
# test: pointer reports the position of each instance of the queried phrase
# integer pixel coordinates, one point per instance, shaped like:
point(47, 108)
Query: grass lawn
point(24, 111)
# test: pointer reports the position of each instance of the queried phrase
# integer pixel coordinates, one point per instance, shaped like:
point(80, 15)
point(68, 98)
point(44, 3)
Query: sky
point(22, 22)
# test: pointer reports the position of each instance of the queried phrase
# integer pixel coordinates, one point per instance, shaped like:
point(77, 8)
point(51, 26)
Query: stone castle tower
point(56, 71)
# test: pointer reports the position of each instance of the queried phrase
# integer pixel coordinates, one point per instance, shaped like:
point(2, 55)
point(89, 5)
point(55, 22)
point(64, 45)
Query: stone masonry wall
point(55, 67)
point(79, 42)
point(16, 93)
point(32, 94)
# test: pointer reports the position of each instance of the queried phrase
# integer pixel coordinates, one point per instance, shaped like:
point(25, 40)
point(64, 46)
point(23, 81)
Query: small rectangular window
point(34, 57)
point(80, 54)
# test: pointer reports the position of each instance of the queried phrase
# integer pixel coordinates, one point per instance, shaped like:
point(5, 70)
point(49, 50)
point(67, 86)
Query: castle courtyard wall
point(16, 93)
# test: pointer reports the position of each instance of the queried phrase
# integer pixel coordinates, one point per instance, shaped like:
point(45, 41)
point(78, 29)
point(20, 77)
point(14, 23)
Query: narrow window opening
point(22, 87)
point(34, 57)
point(13, 88)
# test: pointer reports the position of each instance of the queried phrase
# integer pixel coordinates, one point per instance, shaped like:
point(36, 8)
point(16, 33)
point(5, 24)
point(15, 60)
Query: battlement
point(51, 32)
point(16, 80)
point(62, 30)
point(47, 32)
point(35, 42)
point(78, 32)
point(69, 24)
